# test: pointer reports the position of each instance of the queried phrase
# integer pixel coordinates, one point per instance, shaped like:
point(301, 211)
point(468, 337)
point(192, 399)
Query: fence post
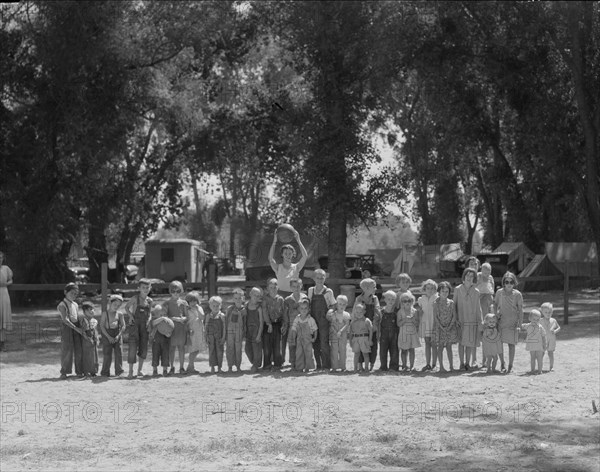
point(566, 293)
point(104, 285)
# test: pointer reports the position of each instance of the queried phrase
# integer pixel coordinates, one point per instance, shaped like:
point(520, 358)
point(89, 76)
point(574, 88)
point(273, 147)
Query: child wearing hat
point(70, 335)
point(162, 328)
point(90, 340)
point(302, 335)
point(112, 325)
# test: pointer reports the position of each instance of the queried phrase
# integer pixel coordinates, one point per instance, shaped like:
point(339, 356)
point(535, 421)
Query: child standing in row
point(508, 305)
point(388, 333)
point(403, 282)
point(425, 305)
point(445, 324)
point(361, 335)
point(215, 334)
point(253, 329)
point(234, 326)
point(551, 327)
point(485, 285)
point(321, 301)
point(408, 335)
point(90, 340)
point(491, 342)
point(272, 309)
point(290, 311)
point(373, 313)
point(138, 314)
point(196, 339)
point(339, 322)
point(161, 329)
point(70, 334)
point(303, 335)
point(112, 326)
point(536, 341)
point(176, 309)
point(468, 311)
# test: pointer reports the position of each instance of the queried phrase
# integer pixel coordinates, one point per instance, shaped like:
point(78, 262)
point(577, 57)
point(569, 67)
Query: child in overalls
point(272, 309)
point(90, 340)
point(234, 326)
point(373, 313)
point(339, 322)
point(196, 340)
point(290, 311)
point(112, 325)
point(138, 313)
point(70, 335)
point(176, 309)
point(303, 336)
point(161, 329)
point(321, 300)
point(361, 335)
point(253, 328)
point(215, 333)
point(388, 333)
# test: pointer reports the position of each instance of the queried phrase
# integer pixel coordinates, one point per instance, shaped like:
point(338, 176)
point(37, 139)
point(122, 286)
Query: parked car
point(80, 269)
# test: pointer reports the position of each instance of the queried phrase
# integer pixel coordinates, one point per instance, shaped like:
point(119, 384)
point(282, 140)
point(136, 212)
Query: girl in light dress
point(536, 341)
point(6, 279)
point(196, 340)
point(408, 320)
point(508, 306)
point(445, 324)
point(425, 306)
point(551, 326)
point(491, 342)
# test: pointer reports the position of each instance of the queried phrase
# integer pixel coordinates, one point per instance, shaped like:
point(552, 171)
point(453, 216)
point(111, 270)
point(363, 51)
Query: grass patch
point(385, 438)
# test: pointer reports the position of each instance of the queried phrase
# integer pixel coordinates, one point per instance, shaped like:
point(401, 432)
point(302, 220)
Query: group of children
point(314, 328)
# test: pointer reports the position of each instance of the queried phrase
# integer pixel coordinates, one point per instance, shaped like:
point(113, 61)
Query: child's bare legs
point(449, 354)
point(511, 356)
point(356, 357)
point(192, 359)
point(411, 357)
point(532, 358)
point(539, 355)
point(467, 357)
point(551, 359)
point(427, 353)
point(140, 365)
point(403, 353)
point(440, 355)
point(494, 362)
point(461, 356)
point(181, 351)
point(434, 350)
point(474, 357)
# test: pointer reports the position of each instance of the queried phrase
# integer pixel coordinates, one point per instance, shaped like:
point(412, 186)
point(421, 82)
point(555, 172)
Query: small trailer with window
point(175, 259)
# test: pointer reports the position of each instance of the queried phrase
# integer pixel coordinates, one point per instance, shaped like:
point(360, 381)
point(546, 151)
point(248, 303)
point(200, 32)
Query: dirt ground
point(320, 421)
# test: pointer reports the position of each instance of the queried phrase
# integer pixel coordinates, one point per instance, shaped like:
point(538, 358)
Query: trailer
point(175, 259)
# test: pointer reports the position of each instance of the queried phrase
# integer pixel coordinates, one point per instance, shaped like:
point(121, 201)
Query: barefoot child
point(112, 326)
point(302, 335)
point(551, 326)
point(321, 301)
point(468, 312)
point(491, 342)
point(536, 341)
point(90, 340)
point(445, 324)
point(70, 335)
point(290, 311)
point(253, 329)
point(176, 309)
point(508, 306)
point(234, 327)
point(408, 334)
point(137, 310)
point(360, 335)
point(425, 305)
point(160, 335)
point(195, 326)
point(215, 333)
point(388, 333)
point(339, 322)
point(373, 313)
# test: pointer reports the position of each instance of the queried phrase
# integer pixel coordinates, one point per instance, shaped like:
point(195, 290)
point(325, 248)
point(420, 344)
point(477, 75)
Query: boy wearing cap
point(138, 321)
point(302, 335)
point(112, 325)
point(70, 335)
point(162, 328)
point(90, 340)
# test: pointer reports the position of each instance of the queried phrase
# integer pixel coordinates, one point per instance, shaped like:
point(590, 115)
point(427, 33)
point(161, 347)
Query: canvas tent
point(582, 258)
point(541, 265)
point(519, 255)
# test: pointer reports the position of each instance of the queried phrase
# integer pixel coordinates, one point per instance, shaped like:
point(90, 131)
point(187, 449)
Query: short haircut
point(296, 280)
point(87, 305)
point(288, 246)
point(468, 270)
point(320, 272)
point(304, 301)
point(215, 299)
point(114, 297)
point(535, 312)
point(238, 291)
point(256, 290)
point(488, 317)
point(471, 259)
point(407, 296)
point(175, 285)
point(144, 282)
point(510, 275)
point(487, 265)
point(157, 311)
point(342, 298)
point(445, 284)
point(194, 295)
point(390, 293)
point(360, 305)
point(431, 282)
point(547, 305)
point(271, 280)
point(403, 277)
point(70, 287)
point(365, 283)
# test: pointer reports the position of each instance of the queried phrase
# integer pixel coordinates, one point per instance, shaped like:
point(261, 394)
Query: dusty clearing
point(285, 421)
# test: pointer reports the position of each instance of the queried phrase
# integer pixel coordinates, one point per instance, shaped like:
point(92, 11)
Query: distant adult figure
point(6, 279)
point(286, 271)
point(210, 273)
